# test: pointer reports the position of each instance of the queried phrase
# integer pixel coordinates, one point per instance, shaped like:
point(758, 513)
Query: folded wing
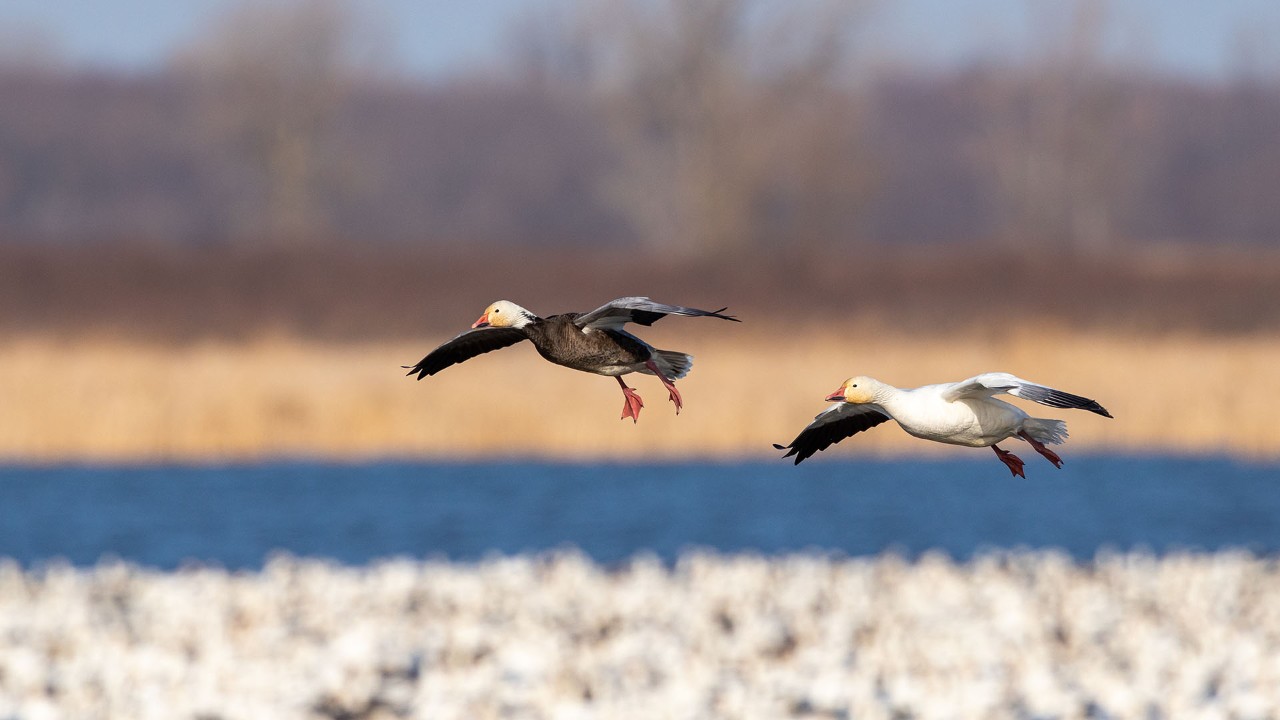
point(988, 384)
point(832, 425)
point(464, 347)
point(640, 310)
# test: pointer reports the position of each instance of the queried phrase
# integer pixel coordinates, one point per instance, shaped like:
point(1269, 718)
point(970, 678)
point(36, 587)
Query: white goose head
point(504, 313)
point(860, 389)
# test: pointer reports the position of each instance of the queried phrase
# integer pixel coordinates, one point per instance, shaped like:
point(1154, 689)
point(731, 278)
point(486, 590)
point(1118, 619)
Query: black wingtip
point(1061, 399)
point(791, 450)
point(1092, 406)
point(716, 313)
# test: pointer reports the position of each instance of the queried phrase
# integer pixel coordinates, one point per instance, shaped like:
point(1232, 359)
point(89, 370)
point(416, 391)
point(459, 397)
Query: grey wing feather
point(832, 425)
point(982, 386)
point(989, 384)
point(465, 346)
point(640, 310)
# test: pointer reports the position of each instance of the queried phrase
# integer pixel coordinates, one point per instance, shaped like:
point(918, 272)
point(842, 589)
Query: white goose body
point(973, 422)
point(960, 413)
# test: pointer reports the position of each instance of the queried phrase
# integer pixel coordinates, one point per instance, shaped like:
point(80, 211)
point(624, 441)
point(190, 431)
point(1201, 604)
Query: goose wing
point(832, 425)
point(640, 310)
point(988, 384)
point(464, 347)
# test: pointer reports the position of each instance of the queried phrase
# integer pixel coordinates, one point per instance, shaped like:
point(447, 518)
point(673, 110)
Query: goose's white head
point(504, 313)
point(860, 389)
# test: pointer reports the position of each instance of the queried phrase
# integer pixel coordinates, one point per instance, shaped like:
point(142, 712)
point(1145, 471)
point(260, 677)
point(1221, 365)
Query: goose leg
point(671, 386)
point(1012, 461)
point(631, 404)
point(1039, 447)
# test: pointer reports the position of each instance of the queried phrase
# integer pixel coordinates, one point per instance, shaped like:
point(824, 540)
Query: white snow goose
point(959, 413)
point(593, 342)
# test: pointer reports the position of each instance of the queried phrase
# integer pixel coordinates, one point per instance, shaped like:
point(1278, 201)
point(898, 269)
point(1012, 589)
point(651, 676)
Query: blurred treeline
point(281, 174)
point(684, 128)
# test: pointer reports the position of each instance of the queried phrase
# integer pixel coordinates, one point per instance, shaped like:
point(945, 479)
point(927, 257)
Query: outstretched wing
point(639, 310)
point(988, 384)
point(464, 347)
point(832, 425)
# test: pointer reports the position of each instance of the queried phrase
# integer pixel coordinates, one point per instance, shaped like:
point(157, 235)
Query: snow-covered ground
point(558, 636)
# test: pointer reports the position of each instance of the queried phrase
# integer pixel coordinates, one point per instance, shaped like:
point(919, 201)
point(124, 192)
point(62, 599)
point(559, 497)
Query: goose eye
point(496, 311)
point(854, 385)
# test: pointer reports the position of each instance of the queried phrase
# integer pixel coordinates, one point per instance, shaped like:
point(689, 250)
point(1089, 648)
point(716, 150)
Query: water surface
point(237, 515)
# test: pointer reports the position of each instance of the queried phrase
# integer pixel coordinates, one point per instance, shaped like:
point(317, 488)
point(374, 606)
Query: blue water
point(236, 516)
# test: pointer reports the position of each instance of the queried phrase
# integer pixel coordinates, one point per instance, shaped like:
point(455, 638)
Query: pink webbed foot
point(1039, 447)
point(1013, 462)
point(631, 402)
point(674, 396)
point(672, 393)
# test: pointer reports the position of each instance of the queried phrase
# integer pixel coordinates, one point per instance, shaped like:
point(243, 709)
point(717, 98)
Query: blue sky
point(434, 37)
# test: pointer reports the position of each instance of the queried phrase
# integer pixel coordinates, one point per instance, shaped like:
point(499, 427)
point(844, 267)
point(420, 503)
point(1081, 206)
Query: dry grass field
point(137, 354)
point(104, 400)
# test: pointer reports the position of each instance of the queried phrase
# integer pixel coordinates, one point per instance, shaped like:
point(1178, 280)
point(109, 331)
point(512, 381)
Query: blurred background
point(308, 194)
point(727, 128)
point(226, 225)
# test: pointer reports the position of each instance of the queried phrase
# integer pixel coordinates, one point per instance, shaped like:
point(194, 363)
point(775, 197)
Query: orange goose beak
point(837, 396)
point(482, 322)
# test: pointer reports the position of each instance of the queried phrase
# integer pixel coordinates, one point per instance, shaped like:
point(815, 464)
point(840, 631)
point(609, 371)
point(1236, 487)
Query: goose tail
point(1053, 432)
point(674, 365)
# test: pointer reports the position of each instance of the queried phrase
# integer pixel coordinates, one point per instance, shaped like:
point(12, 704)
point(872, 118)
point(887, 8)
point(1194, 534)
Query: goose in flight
point(959, 413)
point(594, 342)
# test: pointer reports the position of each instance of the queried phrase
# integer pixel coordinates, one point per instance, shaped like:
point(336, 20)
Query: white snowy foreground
point(1028, 635)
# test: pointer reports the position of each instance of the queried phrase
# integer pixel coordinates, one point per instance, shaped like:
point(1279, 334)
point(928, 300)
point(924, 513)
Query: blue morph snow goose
point(959, 413)
point(594, 342)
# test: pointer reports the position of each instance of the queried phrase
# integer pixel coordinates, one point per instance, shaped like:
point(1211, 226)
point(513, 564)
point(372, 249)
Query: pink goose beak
point(482, 322)
point(837, 396)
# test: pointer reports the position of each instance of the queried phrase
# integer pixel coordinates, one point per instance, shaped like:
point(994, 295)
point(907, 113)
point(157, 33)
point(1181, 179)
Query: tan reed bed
point(1015, 636)
point(101, 400)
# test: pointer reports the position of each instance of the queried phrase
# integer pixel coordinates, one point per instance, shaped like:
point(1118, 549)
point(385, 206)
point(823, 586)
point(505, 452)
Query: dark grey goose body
point(593, 342)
